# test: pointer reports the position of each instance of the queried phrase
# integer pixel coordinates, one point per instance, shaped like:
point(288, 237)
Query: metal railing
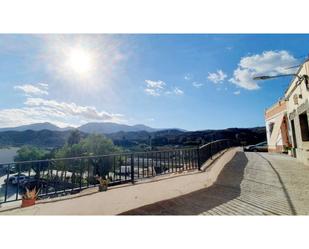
point(56, 177)
point(208, 150)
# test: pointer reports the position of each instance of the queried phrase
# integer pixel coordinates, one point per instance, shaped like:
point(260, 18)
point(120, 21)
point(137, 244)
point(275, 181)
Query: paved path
point(250, 184)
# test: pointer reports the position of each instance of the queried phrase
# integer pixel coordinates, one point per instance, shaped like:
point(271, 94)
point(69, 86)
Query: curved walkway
point(250, 184)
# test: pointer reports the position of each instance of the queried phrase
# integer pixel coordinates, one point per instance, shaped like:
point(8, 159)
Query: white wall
point(302, 150)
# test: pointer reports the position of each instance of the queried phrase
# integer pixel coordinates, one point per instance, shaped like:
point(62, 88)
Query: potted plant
point(29, 197)
point(103, 183)
point(291, 152)
point(288, 150)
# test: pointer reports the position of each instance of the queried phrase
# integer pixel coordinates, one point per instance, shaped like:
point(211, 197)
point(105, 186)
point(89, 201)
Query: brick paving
point(250, 184)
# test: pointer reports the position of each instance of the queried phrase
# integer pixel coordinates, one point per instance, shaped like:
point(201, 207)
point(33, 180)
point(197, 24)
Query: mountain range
point(94, 127)
point(133, 140)
point(108, 127)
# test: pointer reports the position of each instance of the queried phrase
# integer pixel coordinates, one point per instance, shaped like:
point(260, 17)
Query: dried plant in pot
point(29, 197)
point(103, 183)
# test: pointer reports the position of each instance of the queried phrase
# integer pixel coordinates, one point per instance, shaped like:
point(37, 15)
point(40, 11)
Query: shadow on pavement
point(226, 188)
point(287, 196)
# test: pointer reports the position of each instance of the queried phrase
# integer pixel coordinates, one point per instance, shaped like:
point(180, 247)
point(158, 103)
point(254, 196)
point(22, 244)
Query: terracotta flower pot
point(27, 202)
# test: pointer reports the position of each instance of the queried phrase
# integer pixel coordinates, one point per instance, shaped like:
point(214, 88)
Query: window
point(303, 121)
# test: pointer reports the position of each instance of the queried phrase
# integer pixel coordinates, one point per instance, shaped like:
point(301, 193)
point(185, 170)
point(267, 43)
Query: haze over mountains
point(94, 127)
point(35, 127)
point(108, 127)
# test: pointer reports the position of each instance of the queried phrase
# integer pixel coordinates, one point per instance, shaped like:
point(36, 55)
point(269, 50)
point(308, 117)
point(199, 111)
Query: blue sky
point(192, 82)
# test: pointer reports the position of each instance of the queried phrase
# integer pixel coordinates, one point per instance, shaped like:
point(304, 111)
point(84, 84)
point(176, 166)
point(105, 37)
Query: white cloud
point(197, 84)
point(236, 92)
point(152, 92)
point(37, 108)
point(267, 63)
point(178, 91)
point(71, 109)
point(188, 77)
point(217, 77)
point(155, 84)
point(154, 88)
point(175, 91)
point(60, 113)
point(43, 85)
point(23, 116)
point(33, 89)
point(244, 78)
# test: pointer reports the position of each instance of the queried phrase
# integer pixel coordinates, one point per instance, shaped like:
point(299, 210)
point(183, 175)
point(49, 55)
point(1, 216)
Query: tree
point(100, 145)
point(93, 145)
point(29, 153)
point(96, 144)
point(74, 137)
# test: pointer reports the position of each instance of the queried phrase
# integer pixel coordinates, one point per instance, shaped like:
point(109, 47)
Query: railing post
point(18, 176)
point(7, 182)
point(210, 149)
point(198, 159)
point(80, 175)
point(132, 168)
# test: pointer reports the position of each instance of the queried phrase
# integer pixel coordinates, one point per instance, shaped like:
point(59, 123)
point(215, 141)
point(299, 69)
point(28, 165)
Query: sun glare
point(80, 61)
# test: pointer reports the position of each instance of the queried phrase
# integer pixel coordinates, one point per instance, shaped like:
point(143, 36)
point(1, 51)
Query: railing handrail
point(96, 156)
point(212, 142)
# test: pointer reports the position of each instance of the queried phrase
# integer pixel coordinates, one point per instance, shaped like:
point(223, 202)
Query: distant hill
point(188, 138)
point(108, 127)
point(43, 138)
point(170, 137)
point(36, 127)
point(95, 127)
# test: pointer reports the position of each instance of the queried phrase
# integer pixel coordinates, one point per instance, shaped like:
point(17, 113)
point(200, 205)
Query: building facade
point(277, 127)
point(297, 107)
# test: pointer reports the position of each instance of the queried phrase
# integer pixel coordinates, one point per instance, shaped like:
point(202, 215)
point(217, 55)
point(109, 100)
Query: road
point(250, 184)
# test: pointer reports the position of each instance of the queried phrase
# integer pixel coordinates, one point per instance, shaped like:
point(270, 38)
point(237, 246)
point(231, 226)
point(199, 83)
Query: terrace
point(69, 176)
point(231, 183)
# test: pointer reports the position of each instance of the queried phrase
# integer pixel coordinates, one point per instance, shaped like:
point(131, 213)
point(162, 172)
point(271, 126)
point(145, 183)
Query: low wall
point(214, 166)
point(278, 148)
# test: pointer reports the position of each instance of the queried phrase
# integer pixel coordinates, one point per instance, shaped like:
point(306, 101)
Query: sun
point(80, 61)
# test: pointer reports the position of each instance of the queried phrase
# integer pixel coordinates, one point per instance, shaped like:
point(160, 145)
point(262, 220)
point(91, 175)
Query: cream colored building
point(297, 105)
point(277, 127)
